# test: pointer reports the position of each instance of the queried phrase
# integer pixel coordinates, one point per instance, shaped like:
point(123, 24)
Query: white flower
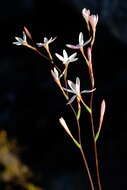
point(65, 59)
point(46, 42)
point(81, 42)
point(75, 89)
point(21, 41)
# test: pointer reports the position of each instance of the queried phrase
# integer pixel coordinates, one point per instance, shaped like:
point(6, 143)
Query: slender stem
point(35, 49)
point(65, 80)
point(79, 136)
point(50, 56)
point(95, 145)
point(84, 157)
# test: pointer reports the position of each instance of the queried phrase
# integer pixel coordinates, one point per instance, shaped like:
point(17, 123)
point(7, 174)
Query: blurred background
point(30, 103)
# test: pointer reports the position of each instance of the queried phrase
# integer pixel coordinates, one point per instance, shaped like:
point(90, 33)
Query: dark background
point(30, 103)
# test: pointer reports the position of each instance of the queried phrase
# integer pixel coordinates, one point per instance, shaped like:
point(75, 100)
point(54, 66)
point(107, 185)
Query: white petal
point(59, 57)
point(72, 86)
point(73, 46)
point(77, 85)
point(87, 42)
point(88, 91)
point(81, 40)
point(45, 40)
point(72, 57)
point(24, 37)
point(17, 43)
point(56, 72)
point(39, 44)
point(50, 40)
point(65, 54)
point(74, 60)
point(72, 99)
point(19, 39)
point(68, 90)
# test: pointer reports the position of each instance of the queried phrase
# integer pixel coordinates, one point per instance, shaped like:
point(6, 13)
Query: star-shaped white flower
point(67, 59)
point(75, 89)
point(46, 42)
point(81, 42)
point(21, 41)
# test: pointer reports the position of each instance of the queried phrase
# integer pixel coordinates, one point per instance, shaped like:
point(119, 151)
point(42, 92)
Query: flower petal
point(88, 91)
point(19, 39)
point(45, 40)
point(87, 41)
point(65, 55)
point(77, 85)
point(71, 100)
point(72, 86)
point(24, 37)
point(81, 40)
point(68, 90)
point(59, 57)
point(73, 58)
point(17, 43)
point(73, 46)
point(39, 44)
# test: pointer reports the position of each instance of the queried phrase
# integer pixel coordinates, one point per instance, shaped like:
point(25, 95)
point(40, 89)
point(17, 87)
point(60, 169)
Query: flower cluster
point(66, 86)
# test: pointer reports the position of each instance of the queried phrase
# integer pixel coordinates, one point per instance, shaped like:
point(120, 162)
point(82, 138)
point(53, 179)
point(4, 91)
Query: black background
point(30, 103)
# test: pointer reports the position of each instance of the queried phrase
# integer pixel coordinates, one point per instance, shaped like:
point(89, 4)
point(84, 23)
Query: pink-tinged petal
point(89, 54)
point(102, 112)
point(71, 100)
point(93, 19)
point(73, 46)
point(27, 32)
point(91, 73)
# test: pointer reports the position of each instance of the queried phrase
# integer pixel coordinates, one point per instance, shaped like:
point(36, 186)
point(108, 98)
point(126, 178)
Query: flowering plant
point(67, 86)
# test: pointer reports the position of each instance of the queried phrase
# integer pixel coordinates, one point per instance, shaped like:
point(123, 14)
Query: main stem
point(84, 157)
point(95, 146)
